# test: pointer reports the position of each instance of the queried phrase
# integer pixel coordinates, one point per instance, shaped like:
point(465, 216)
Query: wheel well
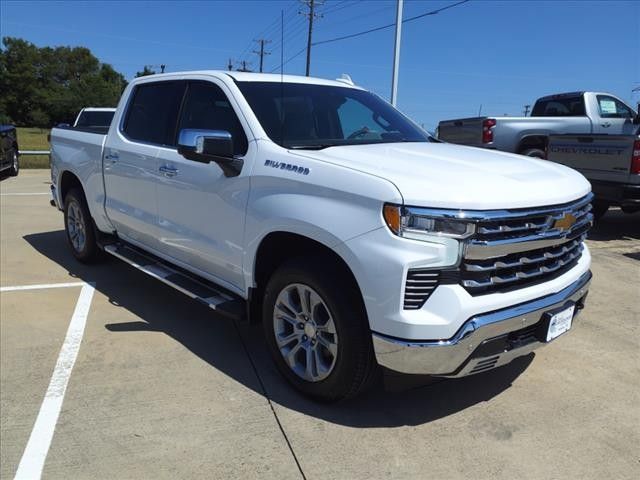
point(533, 141)
point(67, 182)
point(278, 247)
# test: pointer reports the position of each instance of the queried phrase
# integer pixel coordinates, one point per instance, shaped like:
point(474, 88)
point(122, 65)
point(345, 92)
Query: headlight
point(417, 225)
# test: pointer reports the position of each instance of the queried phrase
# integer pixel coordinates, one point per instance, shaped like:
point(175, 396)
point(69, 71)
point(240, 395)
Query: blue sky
point(501, 55)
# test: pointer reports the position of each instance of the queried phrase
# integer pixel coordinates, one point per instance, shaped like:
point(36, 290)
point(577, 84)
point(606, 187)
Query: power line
point(383, 27)
point(289, 59)
point(339, 6)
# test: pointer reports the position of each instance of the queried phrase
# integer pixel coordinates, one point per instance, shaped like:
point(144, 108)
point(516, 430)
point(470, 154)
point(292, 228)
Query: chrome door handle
point(606, 124)
point(169, 171)
point(113, 157)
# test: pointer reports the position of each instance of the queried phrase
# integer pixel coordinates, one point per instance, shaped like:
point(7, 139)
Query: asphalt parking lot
point(162, 388)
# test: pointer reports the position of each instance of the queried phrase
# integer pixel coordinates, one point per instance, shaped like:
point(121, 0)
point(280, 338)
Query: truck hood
point(452, 176)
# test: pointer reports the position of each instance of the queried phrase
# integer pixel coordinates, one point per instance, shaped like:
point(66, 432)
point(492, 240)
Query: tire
point(15, 163)
point(533, 152)
point(79, 228)
point(599, 209)
point(335, 330)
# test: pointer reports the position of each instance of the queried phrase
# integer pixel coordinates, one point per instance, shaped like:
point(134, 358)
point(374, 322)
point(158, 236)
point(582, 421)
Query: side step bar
point(201, 290)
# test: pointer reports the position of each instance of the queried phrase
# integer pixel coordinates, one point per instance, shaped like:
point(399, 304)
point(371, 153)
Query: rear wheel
point(316, 330)
point(15, 163)
point(533, 152)
point(79, 227)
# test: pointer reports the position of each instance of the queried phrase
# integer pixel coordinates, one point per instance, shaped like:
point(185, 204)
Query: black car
point(9, 161)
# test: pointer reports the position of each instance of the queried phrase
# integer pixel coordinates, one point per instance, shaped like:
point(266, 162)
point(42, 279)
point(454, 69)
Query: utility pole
point(162, 67)
point(526, 110)
point(396, 54)
point(261, 52)
point(244, 66)
point(312, 5)
point(230, 65)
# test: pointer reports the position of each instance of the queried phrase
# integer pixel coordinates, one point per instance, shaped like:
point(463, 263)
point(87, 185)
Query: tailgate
point(592, 153)
point(463, 131)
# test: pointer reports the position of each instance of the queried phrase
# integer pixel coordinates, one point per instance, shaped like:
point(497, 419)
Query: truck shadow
point(238, 349)
point(616, 225)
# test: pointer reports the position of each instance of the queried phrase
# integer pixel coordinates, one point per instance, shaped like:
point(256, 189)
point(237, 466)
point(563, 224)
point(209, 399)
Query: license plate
point(560, 322)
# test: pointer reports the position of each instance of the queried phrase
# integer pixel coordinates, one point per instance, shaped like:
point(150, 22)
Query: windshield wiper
point(319, 146)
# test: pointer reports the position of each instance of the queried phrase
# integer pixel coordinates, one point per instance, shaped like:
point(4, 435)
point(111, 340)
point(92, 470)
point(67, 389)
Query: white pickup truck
point(317, 208)
point(564, 113)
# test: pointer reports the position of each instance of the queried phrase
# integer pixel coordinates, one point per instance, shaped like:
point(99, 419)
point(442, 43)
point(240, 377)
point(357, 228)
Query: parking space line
point(23, 194)
point(41, 286)
point(35, 453)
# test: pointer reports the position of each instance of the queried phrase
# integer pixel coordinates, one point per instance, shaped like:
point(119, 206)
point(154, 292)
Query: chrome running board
point(199, 289)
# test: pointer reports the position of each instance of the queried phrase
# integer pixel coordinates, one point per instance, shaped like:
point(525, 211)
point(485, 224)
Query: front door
point(201, 212)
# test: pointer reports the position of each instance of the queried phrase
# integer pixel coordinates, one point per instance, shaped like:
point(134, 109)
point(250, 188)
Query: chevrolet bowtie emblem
point(565, 222)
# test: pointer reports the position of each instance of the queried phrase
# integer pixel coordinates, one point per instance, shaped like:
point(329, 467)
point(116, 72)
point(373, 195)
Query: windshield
point(296, 115)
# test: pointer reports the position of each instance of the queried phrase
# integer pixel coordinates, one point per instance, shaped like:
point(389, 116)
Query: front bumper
point(484, 341)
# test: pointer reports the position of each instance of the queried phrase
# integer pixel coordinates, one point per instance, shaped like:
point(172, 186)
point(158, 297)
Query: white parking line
point(23, 194)
point(35, 453)
point(41, 286)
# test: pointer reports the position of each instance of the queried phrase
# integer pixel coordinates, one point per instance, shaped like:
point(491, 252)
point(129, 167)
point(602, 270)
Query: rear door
point(147, 131)
point(201, 212)
point(614, 117)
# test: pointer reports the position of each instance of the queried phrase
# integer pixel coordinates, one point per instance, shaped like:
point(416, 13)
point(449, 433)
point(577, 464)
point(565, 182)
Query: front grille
point(420, 284)
point(514, 249)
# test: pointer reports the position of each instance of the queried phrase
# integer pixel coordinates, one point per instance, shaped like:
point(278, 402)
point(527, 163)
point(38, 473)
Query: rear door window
point(206, 107)
point(610, 107)
point(153, 113)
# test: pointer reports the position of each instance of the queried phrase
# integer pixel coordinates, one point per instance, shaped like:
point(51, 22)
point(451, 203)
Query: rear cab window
point(560, 106)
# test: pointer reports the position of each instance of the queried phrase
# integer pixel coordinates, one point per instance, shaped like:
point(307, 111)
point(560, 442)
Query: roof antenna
point(282, 77)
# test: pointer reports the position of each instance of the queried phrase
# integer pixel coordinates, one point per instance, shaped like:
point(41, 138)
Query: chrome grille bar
point(512, 248)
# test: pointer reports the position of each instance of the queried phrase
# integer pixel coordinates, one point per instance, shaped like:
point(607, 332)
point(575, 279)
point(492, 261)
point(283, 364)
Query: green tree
point(45, 86)
point(145, 71)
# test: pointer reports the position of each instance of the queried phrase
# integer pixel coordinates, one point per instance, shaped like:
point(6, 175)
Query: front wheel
point(317, 331)
point(15, 164)
point(79, 227)
point(599, 209)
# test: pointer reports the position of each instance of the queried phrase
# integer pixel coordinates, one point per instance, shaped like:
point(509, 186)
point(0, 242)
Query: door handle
point(169, 171)
point(606, 124)
point(112, 156)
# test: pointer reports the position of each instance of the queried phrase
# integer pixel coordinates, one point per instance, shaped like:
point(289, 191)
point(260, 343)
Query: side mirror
point(210, 146)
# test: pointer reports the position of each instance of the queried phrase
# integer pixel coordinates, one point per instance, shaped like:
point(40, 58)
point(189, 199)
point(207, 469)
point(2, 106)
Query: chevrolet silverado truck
point(318, 209)
point(565, 113)
point(611, 163)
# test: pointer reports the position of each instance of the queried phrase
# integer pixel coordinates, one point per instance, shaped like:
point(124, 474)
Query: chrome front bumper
point(484, 341)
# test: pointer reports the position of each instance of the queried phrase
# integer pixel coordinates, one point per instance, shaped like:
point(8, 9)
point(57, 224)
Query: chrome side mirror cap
point(210, 146)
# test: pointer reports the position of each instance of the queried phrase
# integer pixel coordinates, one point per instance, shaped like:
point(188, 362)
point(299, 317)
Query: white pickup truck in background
point(564, 113)
point(318, 209)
